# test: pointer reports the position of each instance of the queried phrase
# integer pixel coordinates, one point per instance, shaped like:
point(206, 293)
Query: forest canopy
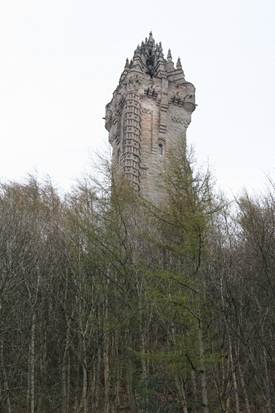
point(111, 304)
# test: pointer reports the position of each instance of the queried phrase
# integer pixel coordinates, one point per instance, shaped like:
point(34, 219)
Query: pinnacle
point(149, 56)
point(151, 39)
point(160, 53)
point(137, 51)
point(179, 66)
point(169, 55)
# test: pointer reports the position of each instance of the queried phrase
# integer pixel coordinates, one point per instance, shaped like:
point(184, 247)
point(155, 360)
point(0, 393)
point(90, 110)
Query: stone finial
point(137, 60)
point(137, 51)
point(126, 63)
point(179, 66)
point(151, 39)
point(170, 64)
point(159, 51)
point(169, 56)
point(160, 56)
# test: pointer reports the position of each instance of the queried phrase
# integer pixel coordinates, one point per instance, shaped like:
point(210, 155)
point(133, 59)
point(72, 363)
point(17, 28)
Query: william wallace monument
point(148, 115)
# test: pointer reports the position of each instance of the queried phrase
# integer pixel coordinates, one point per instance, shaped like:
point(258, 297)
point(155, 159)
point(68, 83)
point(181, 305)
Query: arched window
point(161, 149)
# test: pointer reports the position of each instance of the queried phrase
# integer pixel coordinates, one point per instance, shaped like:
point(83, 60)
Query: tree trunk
point(246, 400)
point(204, 395)
point(195, 390)
point(32, 364)
point(267, 384)
point(65, 372)
point(97, 386)
point(106, 361)
point(182, 394)
point(85, 386)
point(143, 348)
point(234, 378)
point(118, 372)
point(5, 380)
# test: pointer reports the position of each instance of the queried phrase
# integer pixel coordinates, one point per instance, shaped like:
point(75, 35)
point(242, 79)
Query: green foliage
point(106, 300)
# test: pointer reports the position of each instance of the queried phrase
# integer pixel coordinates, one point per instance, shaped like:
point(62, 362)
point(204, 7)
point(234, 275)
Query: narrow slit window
point(161, 149)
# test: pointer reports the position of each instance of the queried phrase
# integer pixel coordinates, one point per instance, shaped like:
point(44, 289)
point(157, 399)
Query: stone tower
point(148, 115)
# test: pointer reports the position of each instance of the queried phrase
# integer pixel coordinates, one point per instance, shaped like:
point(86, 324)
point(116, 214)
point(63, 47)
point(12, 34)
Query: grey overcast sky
point(60, 61)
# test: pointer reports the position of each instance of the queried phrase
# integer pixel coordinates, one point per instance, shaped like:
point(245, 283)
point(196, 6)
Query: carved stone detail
point(180, 120)
point(146, 110)
point(130, 157)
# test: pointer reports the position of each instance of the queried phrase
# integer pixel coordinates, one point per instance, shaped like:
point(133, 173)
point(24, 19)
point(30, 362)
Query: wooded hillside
point(109, 304)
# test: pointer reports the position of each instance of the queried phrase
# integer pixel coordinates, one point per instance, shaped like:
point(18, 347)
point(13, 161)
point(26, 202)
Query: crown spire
point(149, 58)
